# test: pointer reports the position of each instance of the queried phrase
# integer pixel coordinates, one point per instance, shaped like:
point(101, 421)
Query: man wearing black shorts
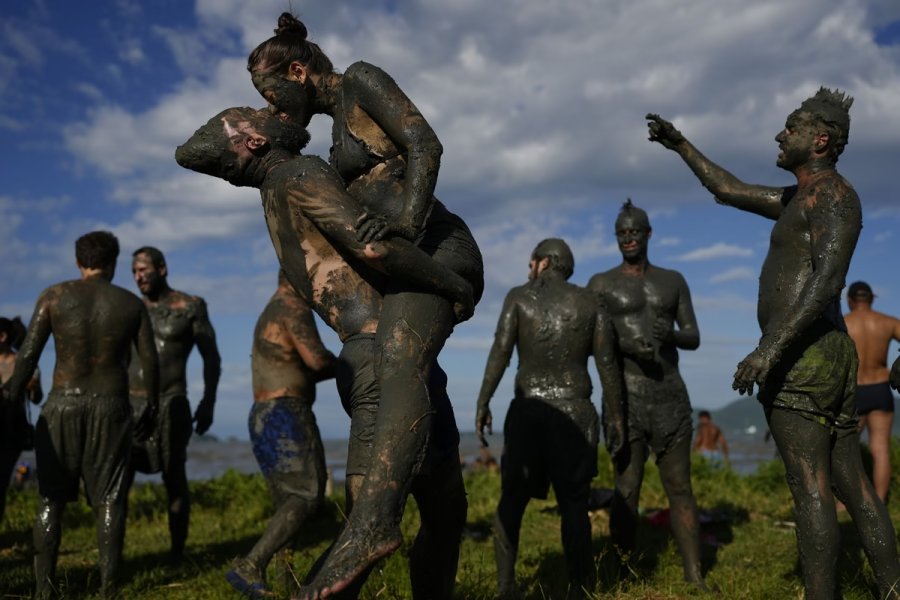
point(872, 332)
point(551, 430)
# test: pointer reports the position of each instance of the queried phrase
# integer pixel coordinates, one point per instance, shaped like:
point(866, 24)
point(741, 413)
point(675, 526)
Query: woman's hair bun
point(289, 24)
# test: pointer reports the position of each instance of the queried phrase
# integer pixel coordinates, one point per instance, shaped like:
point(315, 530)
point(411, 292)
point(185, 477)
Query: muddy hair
point(558, 254)
point(629, 210)
point(15, 331)
point(155, 254)
point(287, 45)
point(97, 250)
point(832, 109)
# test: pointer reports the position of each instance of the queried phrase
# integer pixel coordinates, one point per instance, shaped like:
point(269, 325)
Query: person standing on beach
point(709, 440)
point(551, 430)
point(180, 322)
point(805, 363)
point(645, 302)
point(872, 332)
point(287, 361)
point(84, 431)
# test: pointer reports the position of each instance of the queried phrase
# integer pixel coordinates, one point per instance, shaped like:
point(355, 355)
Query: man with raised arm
point(872, 332)
point(645, 302)
point(85, 428)
point(805, 364)
point(180, 322)
point(551, 430)
point(287, 361)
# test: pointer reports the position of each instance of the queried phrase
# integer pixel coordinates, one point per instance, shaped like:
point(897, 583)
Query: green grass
point(756, 555)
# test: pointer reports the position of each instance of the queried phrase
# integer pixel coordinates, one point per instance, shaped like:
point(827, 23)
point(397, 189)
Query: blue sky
point(540, 110)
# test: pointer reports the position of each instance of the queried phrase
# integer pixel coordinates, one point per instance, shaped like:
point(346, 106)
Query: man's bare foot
point(356, 549)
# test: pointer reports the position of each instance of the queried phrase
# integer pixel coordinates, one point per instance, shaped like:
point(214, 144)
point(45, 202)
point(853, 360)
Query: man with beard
point(645, 302)
point(551, 429)
point(85, 428)
point(805, 364)
point(311, 220)
point(180, 322)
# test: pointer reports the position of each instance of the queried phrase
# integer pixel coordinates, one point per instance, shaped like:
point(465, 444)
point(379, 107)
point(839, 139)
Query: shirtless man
point(85, 428)
point(287, 361)
point(645, 302)
point(872, 333)
point(805, 364)
point(256, 148)
point(180, 322)
point(551, 430)
point(709, 440)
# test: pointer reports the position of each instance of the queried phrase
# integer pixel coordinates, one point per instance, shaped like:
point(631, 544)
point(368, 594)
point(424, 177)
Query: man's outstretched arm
point(498, 360)
point(725, 187)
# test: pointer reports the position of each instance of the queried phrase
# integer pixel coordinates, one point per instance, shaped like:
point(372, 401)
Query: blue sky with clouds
point(539, 107)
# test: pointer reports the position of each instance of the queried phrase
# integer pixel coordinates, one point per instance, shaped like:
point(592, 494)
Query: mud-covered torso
point(344, 293)
point(276, 366)
point(634, 303)
point(556, 322)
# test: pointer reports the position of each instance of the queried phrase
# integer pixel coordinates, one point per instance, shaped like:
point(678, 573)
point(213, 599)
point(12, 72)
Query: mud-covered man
point(805, 364)
point(330, 267)
point(180, 322)
point(645, 302)
point(287, 360)
point(85, 428)
point(551, 430)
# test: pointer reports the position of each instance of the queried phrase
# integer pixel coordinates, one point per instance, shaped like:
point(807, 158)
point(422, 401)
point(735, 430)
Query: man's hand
point(483, 418)
point(895, 375)
point(372, 228)
point(753, 369)
point(663, 132)
point(203, 416)
point(664, 330)
point(614, 435)
point(145, 425)
point(639, 348)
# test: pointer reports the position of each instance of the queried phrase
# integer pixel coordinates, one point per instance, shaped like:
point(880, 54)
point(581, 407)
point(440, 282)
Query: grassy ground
point(750, 552)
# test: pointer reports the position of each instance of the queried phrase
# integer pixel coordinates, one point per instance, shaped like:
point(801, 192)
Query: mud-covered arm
point(607, 361)
point(39, 329)
point(33, 389)
point(498, 360)
point(205, 338)
point(386, 104)
point(895, 374)
point(145, 351)
point(835, 221)
point(725, 187)
point(687, 336)
point(306, 340)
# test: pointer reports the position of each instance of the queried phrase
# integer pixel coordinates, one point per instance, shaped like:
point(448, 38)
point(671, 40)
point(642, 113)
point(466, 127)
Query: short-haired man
point(287, 361)
point(551, 430)
point(645, 302)
point(85, 428)
point(872, 333)
point(180, 322)
point(805, 364)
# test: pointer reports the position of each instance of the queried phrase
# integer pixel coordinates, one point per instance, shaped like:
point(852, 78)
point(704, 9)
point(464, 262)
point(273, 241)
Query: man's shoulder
point(178, 300)
point(599, 281)
point(664, 273)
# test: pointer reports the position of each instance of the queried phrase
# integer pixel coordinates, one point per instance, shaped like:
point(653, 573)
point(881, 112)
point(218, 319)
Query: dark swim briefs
point(288, 447)
point(549, 441)
point(166, 446)
point(81, 435)
point(360, 393)
point(874, 396)
point(816, 377)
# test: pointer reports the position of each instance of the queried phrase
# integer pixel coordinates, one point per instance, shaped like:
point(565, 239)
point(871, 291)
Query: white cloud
point(668, 242)
point(716, 251)
point(733, 274)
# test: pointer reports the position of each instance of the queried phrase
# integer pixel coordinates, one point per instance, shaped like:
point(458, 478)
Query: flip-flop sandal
point(256, 590)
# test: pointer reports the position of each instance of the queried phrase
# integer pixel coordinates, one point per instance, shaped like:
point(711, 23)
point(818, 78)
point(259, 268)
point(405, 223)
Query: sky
point(540, 109)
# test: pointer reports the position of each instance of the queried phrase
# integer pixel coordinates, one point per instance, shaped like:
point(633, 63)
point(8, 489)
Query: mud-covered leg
point(8, 460)
point(575, 527)
point(283, 527)
point(411, 332)
point(805, 447)
point(47, 535)
point(433, 559)
point(110, 518)
point(507, 523)
point(623, 516)
point(675, 473)
point(179, 508)
point(871, 518)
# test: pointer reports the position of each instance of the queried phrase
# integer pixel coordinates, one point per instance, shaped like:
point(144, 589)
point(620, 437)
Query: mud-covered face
point(796, 140)
point(632, 236)
point(290, 97)
point(148, 278)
